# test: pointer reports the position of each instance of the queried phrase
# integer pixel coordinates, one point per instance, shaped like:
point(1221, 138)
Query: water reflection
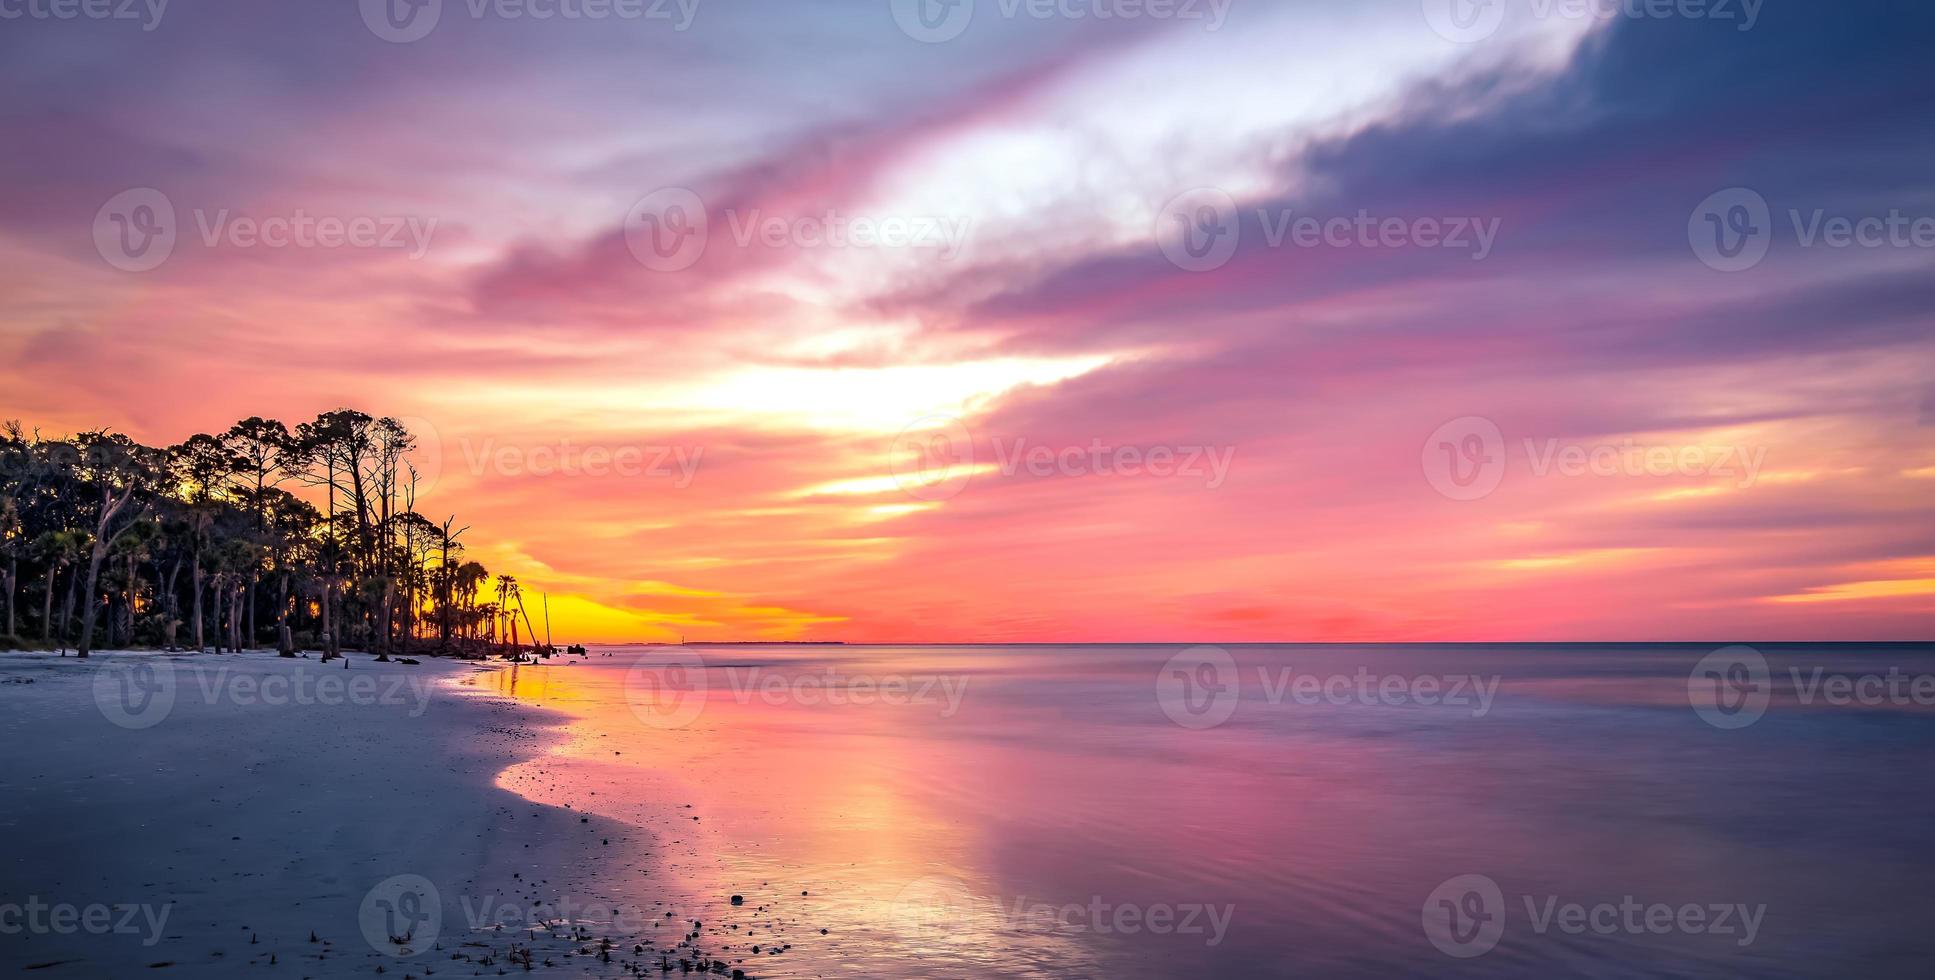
point(1035, 811)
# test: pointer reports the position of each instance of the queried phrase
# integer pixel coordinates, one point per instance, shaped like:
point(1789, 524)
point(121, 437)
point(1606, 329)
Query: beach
point(275, 812)
point(1121, 811)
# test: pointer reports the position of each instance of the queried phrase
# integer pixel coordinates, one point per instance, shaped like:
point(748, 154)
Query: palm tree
point(57, 550)
point(13, 540)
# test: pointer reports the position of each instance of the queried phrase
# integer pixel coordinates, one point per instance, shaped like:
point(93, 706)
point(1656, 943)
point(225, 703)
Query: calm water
point(1124, 811)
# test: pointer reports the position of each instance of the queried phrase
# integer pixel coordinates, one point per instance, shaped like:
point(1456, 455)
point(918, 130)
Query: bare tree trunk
point(47, 605)
point(67, 607)
point(13, 594)
point(250, 600)
point(285, 644)
point(389, 599)
point(215, 597)
point(329, 619)
point(168, 598)
point(201, 639)
point(134, 588)
point(94, 558)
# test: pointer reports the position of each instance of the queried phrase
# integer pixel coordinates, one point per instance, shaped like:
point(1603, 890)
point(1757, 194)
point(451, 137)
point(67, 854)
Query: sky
point(996, 320)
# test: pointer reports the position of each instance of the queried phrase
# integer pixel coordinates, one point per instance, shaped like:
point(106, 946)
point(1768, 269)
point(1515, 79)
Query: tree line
point(304, 538)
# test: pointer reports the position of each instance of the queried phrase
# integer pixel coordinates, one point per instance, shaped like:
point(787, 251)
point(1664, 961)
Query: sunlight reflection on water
point(1037, 811)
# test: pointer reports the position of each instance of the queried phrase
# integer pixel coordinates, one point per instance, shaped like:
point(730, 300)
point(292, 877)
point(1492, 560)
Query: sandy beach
point(249, 815)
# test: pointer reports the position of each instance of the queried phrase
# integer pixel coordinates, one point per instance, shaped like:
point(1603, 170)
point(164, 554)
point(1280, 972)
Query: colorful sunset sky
point(528, 338)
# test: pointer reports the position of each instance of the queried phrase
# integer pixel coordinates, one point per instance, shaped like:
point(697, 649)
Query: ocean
point(1176, 810)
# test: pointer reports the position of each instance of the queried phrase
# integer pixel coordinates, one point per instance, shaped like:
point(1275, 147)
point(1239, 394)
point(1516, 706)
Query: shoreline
point(227, 814)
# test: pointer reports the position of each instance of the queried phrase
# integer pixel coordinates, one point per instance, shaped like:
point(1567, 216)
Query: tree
point(122, 470)
point(57, 550)
point(142, 542)
point(13, 540)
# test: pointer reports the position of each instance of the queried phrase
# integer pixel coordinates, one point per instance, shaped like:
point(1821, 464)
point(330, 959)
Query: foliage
point(203, 543)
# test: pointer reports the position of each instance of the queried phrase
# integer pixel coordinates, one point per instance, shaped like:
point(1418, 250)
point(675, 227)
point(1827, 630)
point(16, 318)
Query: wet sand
point(277, 818)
